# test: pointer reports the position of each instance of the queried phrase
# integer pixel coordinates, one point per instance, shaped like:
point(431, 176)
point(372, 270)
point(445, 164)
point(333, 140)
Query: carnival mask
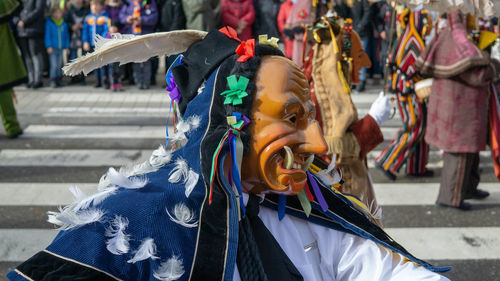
point(285, 134)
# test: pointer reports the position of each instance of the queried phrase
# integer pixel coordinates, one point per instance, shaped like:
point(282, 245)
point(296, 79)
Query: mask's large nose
point(314, 140)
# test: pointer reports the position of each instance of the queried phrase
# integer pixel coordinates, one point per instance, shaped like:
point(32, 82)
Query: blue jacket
point(95, 24)
point(56, 36)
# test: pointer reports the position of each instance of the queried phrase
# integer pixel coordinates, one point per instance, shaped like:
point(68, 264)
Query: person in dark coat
point(382, 21)
point(74, 17)
point(266, 12)
point(30, 28)
point(362, 18)
point(172, 16)
point(140, 18)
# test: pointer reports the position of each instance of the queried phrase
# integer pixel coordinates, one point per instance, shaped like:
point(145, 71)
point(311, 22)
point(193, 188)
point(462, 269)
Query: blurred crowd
point(50, 32)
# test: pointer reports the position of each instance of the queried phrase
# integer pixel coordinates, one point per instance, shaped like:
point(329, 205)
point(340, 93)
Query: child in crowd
point(96, 23)
point(74, 17)
point(140, 17)
point(114, 69)
point(56, 42)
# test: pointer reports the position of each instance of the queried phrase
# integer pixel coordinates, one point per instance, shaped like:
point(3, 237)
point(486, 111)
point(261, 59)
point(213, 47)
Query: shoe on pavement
point(477, 194)
point(37, 85)
point(15, 135)
point(53, 84)
point(361, 87)
point(386, 173)
point(427, 174)
point(463, 206)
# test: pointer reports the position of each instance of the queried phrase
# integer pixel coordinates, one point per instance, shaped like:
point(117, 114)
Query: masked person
point(331, 66)
point(225, 204)
point(408, 146)
point(458, 108)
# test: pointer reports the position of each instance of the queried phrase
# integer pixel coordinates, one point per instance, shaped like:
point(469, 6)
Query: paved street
point(73, 134)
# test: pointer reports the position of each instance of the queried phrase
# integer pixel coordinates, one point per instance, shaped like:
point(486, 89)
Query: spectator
point(202, 15)
point(74, 19)
point(96, 24)
point(266, 12)
point(140, 17)
point(30, 25)
point(56, 42)
point(114, 68)
point(12, 72)
point(240, 15)
point(382, 20)
point(284, 13)
point(113, 8)
point(172, 16)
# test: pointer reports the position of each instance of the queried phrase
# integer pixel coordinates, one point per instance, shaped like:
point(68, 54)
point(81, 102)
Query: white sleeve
point(361, 259)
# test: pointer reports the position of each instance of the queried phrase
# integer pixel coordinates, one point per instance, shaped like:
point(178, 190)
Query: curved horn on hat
point(130, 48)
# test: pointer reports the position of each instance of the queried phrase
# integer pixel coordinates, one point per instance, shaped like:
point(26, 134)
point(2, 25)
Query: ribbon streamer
point(304, 202)
point(317, 192)
point(281, 206)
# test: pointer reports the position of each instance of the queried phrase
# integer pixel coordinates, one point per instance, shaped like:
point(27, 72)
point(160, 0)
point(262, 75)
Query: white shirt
point(320, 253)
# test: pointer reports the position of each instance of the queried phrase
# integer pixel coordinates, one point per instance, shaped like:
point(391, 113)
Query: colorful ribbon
point(273, 42)
point(246, 50)
point(237, 122)
point(317, 192)
point(230, 32)
point(237, 90)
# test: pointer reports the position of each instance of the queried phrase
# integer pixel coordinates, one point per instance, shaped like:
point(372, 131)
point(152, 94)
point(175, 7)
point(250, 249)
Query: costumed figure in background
point(301, 14)
point(349, 139)
point(408, 146)
point(458, 108)
point(235, 199)
point(12, 72)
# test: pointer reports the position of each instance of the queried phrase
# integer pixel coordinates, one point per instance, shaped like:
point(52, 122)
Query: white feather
point(135, 49)
point(67, 218)
point(120, 180)
point(194, 121)
point(103, 182)
point(160, 157)
point(94, 199)
point(191, 181)
point(179, 172)
point(118, 243)
point(183, 126)
point(183, 216)
point(77, 193)
point(170, 270)
point(146, 250)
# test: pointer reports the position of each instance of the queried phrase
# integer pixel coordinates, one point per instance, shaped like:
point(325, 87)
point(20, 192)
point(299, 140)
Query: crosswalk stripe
point(20, 244)
point(92, 131)
point(107, 110)
point(103, 98)
point(72, 157)
point(424, 193)
point(449, 243)
point(40, 194)
point(388, 194)
point(443, 243)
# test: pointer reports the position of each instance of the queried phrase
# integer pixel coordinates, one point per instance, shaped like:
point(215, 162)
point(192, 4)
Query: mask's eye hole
point(293, 119)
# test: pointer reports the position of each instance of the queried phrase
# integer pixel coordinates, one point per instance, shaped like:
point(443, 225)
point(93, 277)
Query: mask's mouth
point(291, 169)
